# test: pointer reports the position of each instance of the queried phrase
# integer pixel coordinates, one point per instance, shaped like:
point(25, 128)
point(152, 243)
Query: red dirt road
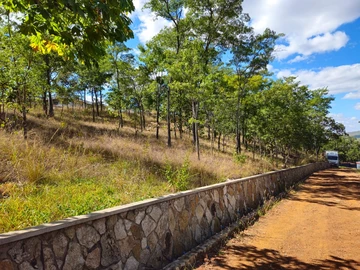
point(316, 227)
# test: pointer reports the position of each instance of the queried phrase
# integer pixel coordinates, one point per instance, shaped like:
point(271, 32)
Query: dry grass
point(70, 166)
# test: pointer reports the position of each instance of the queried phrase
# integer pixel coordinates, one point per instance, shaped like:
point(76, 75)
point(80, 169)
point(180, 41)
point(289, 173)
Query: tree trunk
point(180, 123)
point(209, 131)
point(223, 143)
point(254, 148)
point(48, 80)
point(24, 122)
point(121, 119)
point(96, 102)
point(143, 116)
point(196, 132)
point(101, 101)
point(84, 104)
point(212, 139)
point(193, 133)
point(238, 142)
point(51, 105)
point(219, 142)
point(140, 118)
point(174, 124)
point(45, 108)
point(157, 111)
point(168, 117)
point(93, 105)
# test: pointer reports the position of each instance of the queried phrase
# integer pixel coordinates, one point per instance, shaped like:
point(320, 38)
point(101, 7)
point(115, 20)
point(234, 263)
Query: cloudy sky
point(321, 46)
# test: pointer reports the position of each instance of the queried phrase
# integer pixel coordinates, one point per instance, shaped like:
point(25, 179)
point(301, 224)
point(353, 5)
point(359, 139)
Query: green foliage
point(348, 148)
point(64, 26)
point(179, 177)
point(239, 158)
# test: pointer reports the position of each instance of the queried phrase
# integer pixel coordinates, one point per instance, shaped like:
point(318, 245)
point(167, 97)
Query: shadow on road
point(330, 189)
point(272, 259)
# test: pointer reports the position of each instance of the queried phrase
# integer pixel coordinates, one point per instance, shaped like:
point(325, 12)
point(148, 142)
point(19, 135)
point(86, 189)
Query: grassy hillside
point(71, 166)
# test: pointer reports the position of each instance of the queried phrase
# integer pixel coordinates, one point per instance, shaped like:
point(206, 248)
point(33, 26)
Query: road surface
point(316, 227)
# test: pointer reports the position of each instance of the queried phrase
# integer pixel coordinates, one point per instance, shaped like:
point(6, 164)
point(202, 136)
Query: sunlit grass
point(69, 166)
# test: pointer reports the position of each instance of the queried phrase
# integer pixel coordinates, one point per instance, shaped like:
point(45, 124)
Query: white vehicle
point(332, 157)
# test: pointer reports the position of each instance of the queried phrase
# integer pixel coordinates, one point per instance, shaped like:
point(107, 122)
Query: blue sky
point(321, 46)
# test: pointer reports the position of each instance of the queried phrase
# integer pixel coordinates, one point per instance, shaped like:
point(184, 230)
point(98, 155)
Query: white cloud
point(308, 46)
point(341, 79)
point(357, 106)
point(351, 123)
point(352, 95)
point(298, 59)
point(284, 73)
point(149, 25)
point(310, 26)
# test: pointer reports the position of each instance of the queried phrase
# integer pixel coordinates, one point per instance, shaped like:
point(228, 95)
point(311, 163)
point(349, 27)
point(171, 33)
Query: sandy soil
point(316, 227)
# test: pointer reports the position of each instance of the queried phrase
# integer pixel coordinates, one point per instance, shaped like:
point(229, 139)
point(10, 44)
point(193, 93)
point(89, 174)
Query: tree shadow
point(250, 257)
point(330, 189)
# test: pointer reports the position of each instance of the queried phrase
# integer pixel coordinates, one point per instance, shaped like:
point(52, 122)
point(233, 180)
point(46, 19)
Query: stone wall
point(143, 235)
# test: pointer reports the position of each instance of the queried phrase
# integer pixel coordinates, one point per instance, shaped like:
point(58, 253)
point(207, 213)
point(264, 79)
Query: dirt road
point(317, 227)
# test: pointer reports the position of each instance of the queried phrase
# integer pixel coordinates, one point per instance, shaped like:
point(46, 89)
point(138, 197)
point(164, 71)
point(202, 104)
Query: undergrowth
point(72, 166)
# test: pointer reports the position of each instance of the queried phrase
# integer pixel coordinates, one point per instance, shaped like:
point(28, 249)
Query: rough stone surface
point(119, 230)
point(139, 217)
point(162, 226)
point(156, 213)
point(49, 259)
point(110, 253)
point(33, 247)
point(118, 266)
point(60, 244)
point(127, 224)
point(199, 212)
point(74, 259)
point(183, 220)
point(70, 232)
point(136, 231)
point(172, 220)
point(143, 243)
point(152, 241)
point(110, 222)
point(93, 259)
point(131, 264)
point(136, 250)
point(144, 256)
point(179, 204)
point(26, 266)
point(148, 225)
point(6, 265)
point(126, 246)
point(100, 226)
point(18, 254)
point(87, 236)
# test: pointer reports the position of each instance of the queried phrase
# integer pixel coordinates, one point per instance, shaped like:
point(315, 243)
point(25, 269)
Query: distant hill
point(355, 134)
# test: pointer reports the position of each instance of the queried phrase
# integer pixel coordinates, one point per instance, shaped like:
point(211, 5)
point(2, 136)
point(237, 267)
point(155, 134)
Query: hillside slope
point(71, 166)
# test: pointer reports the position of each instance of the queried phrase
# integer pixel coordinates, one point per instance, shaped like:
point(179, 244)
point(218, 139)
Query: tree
point(82, 26)
point(22, 69)
point(120, 62)
point(251, 55)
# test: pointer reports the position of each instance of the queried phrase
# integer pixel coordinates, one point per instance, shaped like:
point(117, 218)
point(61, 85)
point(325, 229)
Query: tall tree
point(251, 55)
